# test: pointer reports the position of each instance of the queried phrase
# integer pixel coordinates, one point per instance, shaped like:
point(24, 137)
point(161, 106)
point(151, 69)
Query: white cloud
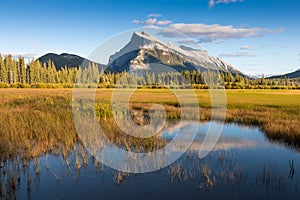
point(246, 48)
point(215, 32)
point(274, 31)
point(150, 21)
point(205, 33)
point(154, 15)
point(136, 21)
point(237, 54)
point(27, 55)
point(212, 3)
point(187, 42)
point(151, 27)
point(163, 22)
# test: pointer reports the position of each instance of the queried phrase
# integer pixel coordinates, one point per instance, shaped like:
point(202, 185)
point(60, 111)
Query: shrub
point(40, 85)
point(3, 85)
point(173, 87)
point(23, 85)
point(275, 87)
point(67, 85)
point(228, 86)
point(14, 85)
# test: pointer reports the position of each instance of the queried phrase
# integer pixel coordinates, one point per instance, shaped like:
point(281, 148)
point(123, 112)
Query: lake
point(244, 164)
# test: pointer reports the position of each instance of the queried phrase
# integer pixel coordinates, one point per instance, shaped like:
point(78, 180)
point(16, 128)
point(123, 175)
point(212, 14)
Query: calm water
point(243, 165)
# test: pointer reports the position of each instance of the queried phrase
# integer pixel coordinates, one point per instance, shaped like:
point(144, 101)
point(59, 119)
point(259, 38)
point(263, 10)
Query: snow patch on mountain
point(142, 45)
point(138, 62)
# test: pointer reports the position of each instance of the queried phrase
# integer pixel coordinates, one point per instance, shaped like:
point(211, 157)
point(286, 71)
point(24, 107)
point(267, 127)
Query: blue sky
point(255, 36)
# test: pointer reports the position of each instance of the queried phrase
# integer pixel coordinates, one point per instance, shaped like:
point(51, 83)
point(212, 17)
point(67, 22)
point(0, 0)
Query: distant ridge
point(295, 74)
point(64, 59)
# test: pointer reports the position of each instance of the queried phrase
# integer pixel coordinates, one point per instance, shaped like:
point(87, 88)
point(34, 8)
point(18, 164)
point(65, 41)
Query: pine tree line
point(14, 72)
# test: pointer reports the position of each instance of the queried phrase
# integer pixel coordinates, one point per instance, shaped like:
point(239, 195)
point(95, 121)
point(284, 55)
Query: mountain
point(64, 59)
point(295, 74)
point(145, 52)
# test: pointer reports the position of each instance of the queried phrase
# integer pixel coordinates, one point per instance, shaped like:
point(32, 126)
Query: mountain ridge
point(145, 52)
point(64, 59)
point(294, 74)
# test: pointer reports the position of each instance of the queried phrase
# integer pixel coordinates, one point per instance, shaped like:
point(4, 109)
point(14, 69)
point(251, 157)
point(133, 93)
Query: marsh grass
point(33, 125)
point(33, 121)
point(127, 142)
point(209, 173)
point(277, 113)
point(270, 179)
point(37, 122)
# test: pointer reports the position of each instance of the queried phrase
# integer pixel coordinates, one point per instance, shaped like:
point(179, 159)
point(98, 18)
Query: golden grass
point(277, 113)
point(35, 121)
point(33, 124)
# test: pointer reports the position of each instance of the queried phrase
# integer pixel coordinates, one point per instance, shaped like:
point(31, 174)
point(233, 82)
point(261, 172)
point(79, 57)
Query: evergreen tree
point(3, 70)
point(21, 70)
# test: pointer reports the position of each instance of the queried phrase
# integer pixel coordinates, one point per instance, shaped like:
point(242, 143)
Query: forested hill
point(295, 74)
point(63, 60)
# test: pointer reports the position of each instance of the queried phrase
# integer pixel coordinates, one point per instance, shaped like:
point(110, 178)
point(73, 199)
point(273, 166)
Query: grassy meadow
point(36, 121)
